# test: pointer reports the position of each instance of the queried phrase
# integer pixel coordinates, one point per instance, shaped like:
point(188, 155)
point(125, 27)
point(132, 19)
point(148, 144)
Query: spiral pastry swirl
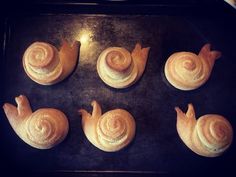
point(41, 62)
point(188, 71)
point(208, 136)
point(44, 64)
point(213, 131)
point(42, 129)
point(109, 132)
point(118, 68)
point(46, 127)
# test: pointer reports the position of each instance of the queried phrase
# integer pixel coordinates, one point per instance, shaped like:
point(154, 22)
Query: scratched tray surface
point(156, 146)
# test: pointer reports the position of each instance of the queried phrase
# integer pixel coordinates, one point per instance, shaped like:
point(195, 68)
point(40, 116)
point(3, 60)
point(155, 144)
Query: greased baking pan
point(156, 148)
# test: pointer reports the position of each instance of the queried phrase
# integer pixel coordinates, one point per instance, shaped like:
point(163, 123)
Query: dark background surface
point(156, 148)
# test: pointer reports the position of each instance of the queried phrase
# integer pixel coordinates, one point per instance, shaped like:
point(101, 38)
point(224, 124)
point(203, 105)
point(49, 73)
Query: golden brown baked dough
point(120, 69)
point(42, 129)
point(44, 64)
point(109, 132)
point(188, 71)
point(231, 2)
point(208, 136)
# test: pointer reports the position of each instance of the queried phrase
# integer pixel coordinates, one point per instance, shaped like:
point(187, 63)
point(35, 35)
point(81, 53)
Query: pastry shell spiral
point(209, 136)
point(44, 64)
point(119, 68)
point(188, 71)
point(42, 129)
point(109, 132)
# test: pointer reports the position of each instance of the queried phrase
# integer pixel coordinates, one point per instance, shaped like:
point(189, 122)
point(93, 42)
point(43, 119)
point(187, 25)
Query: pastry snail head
point(42, 129)
point(44, 64)
point(110, 131)
point(119, 68)
point(209, 136)
point(188, 71)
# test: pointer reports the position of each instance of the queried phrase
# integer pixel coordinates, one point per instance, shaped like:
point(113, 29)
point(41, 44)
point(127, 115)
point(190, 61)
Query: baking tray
point(156, 148)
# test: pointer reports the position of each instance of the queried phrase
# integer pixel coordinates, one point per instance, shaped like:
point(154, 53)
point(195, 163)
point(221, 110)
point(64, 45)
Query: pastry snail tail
point(17, 114)
point(97, 111)
point(88, 120)
point(140, 56)
point(185, 122)
point(68, 55)
point(208, 55)
point(85, 115)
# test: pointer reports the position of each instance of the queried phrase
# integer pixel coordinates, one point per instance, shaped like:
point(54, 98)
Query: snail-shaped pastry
point(188, 71)
point(119, 68)
point(42, 129)
point(44, 64)
point(109, 132)
point(208, 136)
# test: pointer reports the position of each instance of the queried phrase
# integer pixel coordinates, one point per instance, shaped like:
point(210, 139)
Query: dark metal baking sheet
point(156, 147)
